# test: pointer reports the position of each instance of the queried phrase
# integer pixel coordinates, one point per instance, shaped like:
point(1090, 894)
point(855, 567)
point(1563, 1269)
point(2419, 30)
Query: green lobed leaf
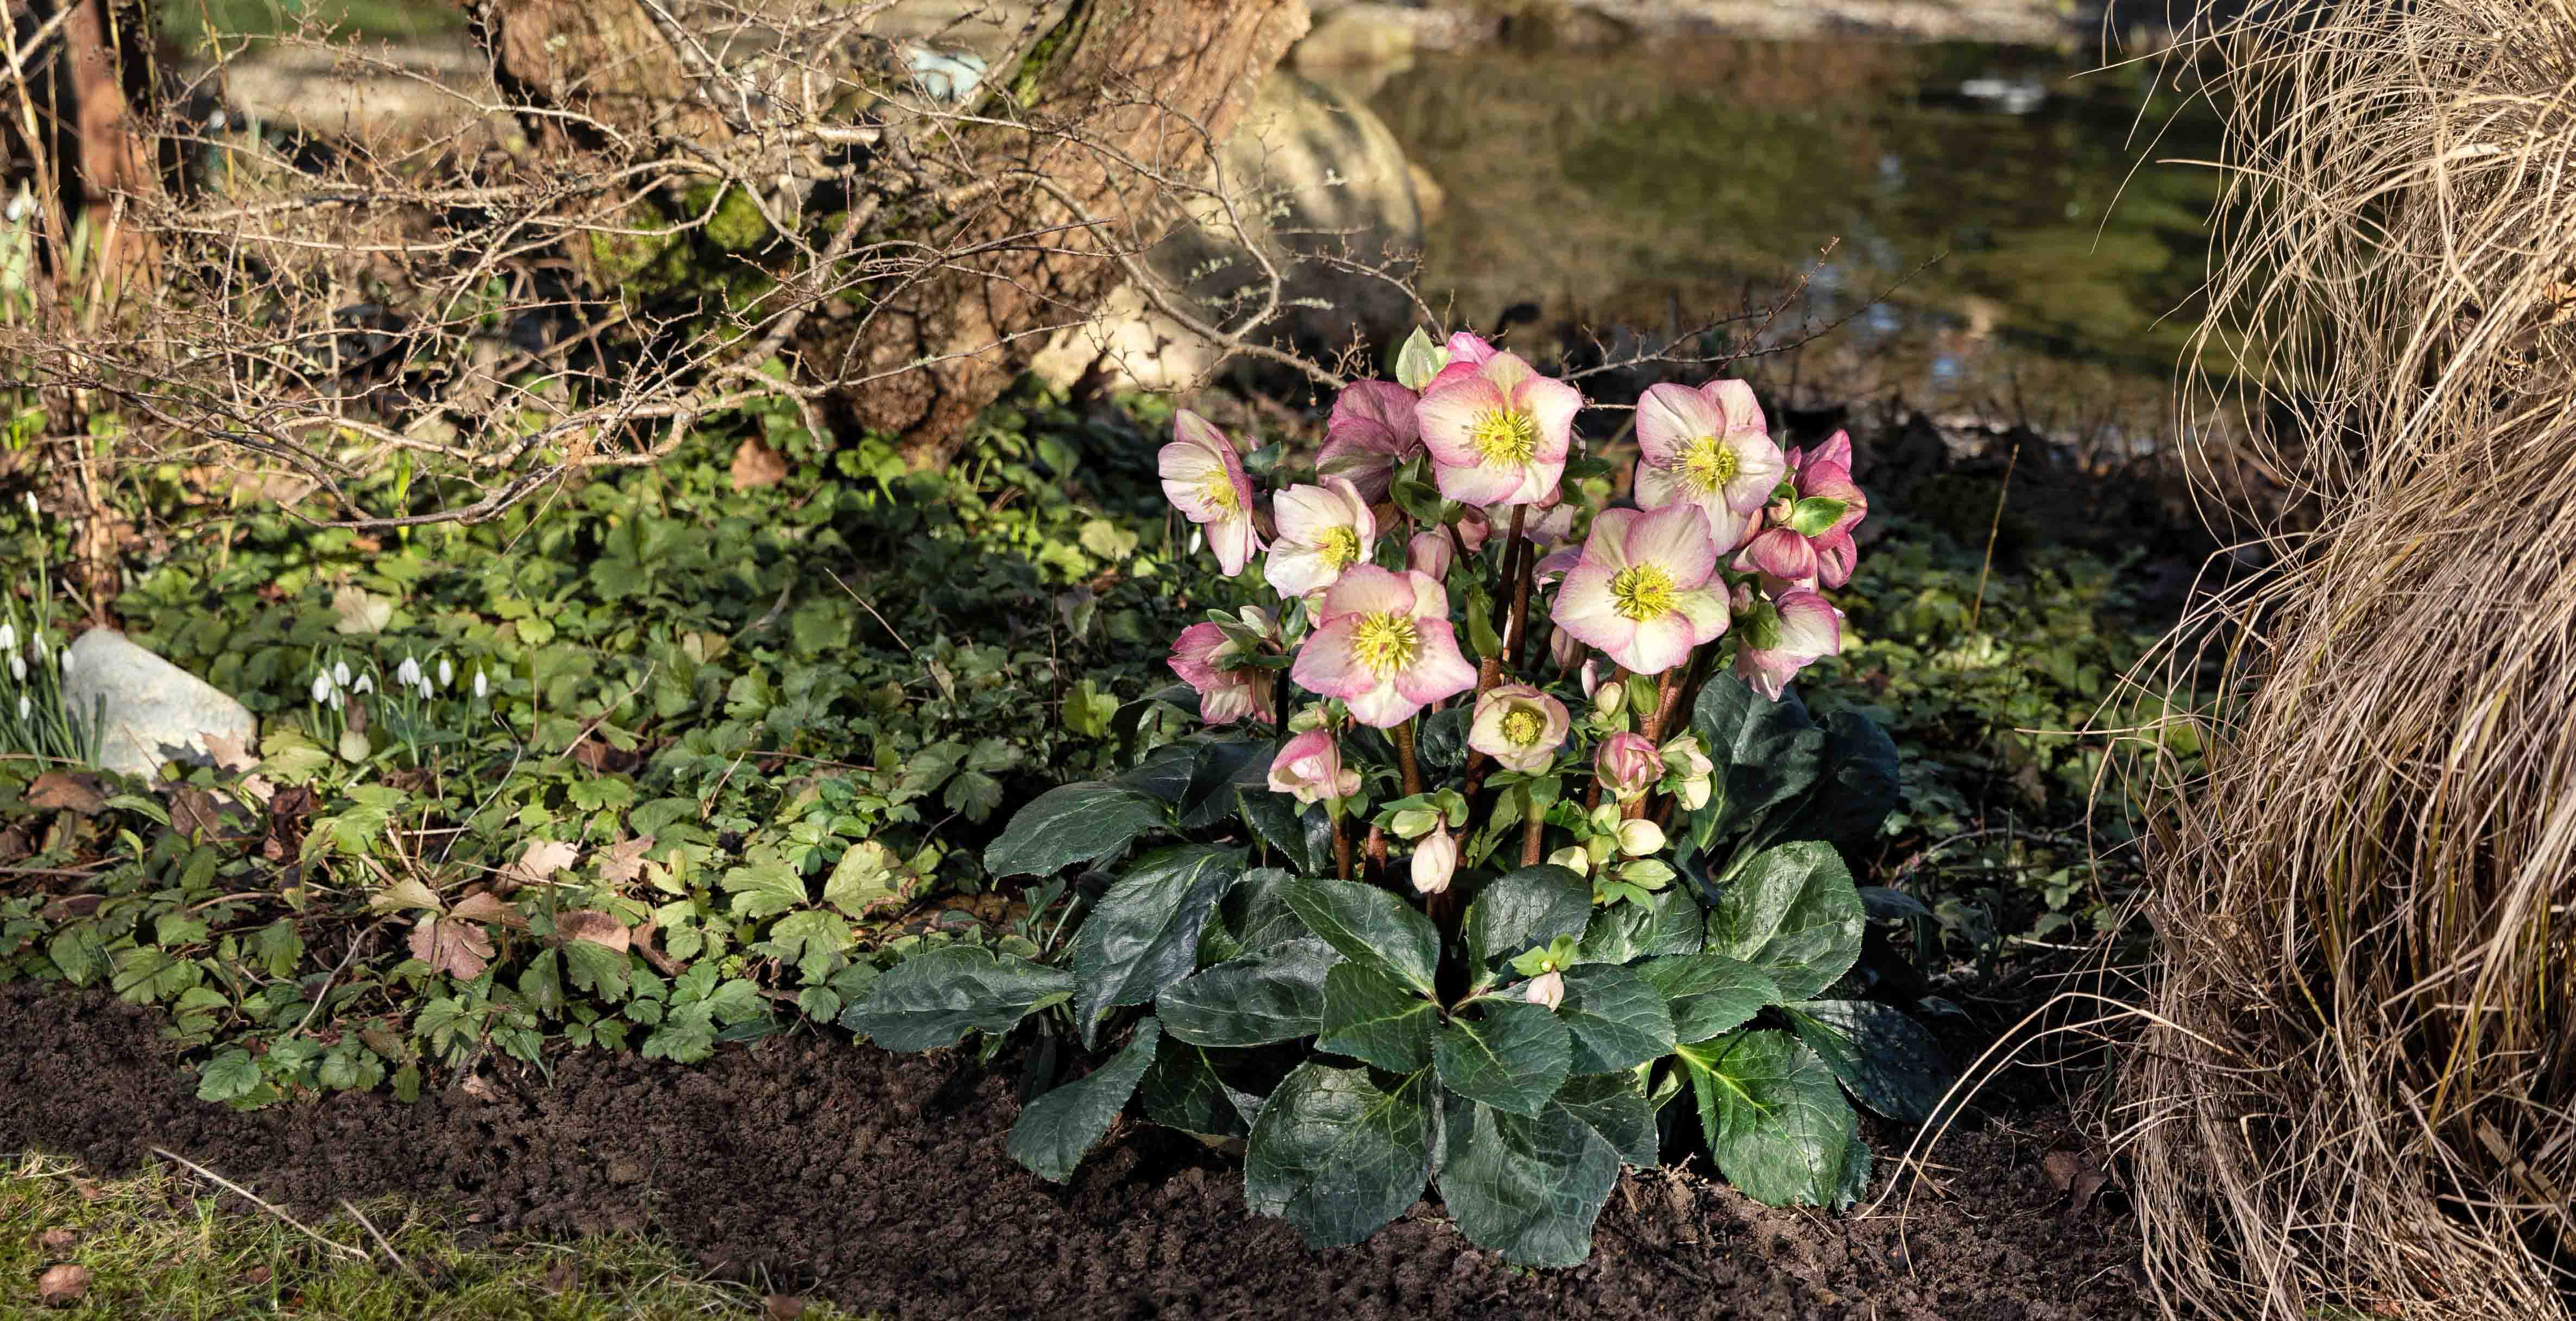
point(1887, 1060)
point(1519, 910)
point(1370, 1017)
point(1709, 993)
point(1668, 922)
point(1792, 912)
point(932, 1000)
point(1058, 1128)
point(1143, 935)
point(1070, 824)
point(1370, 927)
point(1338, 1154)
point(1512, 1058)
point(1270, 995)
point(1775, 1119)
point(1526, 1186)
point(1616, 1019)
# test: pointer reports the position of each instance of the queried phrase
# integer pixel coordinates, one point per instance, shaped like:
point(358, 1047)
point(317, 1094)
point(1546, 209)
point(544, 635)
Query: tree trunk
point(1016, 223)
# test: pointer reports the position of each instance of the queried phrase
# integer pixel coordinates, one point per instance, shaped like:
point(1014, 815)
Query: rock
point(1357, 35)
point(1317, 181)
point(155, 711)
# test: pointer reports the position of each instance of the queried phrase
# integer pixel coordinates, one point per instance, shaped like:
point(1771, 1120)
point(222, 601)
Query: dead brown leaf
point(229, 753)
point(63, 1285)
point(562, 1277)
point(255, 1277)
point(591, 753)
point(543, 858)
point(621, 863)
point(785, 1307)
point(596, 927)
point(196, 814)
point(64, 790)
point(460, 949)
point(756, 465)
point(57, 1241)
point(484, 906)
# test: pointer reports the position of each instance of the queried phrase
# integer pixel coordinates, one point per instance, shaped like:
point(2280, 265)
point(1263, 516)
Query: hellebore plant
point(1433, 899)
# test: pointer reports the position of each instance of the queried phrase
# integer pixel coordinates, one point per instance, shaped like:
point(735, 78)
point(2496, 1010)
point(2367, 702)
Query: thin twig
point(254, 1199)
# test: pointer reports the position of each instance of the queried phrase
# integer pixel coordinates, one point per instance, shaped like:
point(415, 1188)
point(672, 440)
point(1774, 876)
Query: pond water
point(1648, 188)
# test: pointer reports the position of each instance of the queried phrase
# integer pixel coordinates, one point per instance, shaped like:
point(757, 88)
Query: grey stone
point(154, 711)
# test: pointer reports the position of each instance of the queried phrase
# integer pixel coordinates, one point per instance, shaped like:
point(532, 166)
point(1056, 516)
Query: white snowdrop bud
point(446, 673)
point(366, 684)
point(8, 637)
point(17, 668)
point(407, 673)
point(67, 662)
point(25, 707)
point(321, 687)
point(481, 688)
point(340, 673)
point(425, 689)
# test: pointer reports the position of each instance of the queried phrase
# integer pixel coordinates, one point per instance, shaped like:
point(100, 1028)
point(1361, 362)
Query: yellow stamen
point(1522, 728)
point(1506, 435)
point(1641, 592)
point(1708, 465)
point(1220, 492)
point(1386, 642)
point(1340, 547)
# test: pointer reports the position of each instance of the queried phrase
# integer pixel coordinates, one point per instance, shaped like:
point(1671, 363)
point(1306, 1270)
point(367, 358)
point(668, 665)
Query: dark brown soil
point(881, 1181)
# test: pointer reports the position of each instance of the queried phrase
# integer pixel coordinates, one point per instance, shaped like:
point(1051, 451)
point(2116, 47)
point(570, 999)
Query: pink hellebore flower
point(1547, 989)
point(1780, 638)
point(1385, 646)
point(1225, 696)
point(1641, 592)
point(1519, 727)
point(1204, 479)
point(1430, 554)
point(1323, 530)
point(1467, 351)
point(1791, 559)
point(1310, 766)
point(1498, 431)
point(1435, 860)
point(1370, 433)
point(1706, 447)
point(1628, 765)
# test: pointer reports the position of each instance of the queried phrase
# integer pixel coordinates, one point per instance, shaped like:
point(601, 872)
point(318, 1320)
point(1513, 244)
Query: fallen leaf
point(63, 1285)
point(255, 1277)
point(591, 753)
point(756, 465)
point(58, 1241)
point(562, 1277)
point(88, 1189)
point(360, 612)
point(785, 1307)
point(543, 858)
point(230, 753)
point(14, 844)
point(596, 927)
point(409, 892)
point(65, 790)
point(291, 804)
point(481, 1089)
point(71, 907)
point(254, 788)
point(482, 906)
point(195, 813)
point(459, 949)
point(621, 863)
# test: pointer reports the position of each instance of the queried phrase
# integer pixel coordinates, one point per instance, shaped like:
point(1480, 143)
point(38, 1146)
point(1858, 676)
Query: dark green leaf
point(1075, 823)
point(1616, 1018)
point(1792, 912)
point(931, 1000)
point(1512, 1058)
point(1709, 993)
point(1766, 752)
point(1887, 1060)
point(1526, 1186)
point(1218, 775)
point(1143, 934)
point(1520, 910)
point(1614, 1105)
point(1337, 1154)
point(1273, 995)
point(1883, 904)
point(1183, 1091)
point(1369, 1017)
point(1165, 772)
point(1370, 927)
point(1273, 817)
point(1442, 744)
point(1667, 922)
point(1257, 911)
point(1775, 1119)
point(1850, 808)
point(1057, 1128)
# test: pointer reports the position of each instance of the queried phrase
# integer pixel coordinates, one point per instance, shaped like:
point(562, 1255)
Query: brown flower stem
point(1516, 629)
point(1668, 697)
point(1533, 837)
point(1377, 854)
point(1404, 758)
point(1342, 845)
point(1490, 672)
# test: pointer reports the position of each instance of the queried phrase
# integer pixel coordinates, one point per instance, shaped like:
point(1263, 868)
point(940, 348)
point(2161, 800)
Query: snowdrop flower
point(1386, 647)
point(31, 506)
point(408, 673)
point(8, 637)
point(1706, 448)
point(1435, 860)
point(425, 690)
point(1309, 766)
point(366, 684)
point(446, 673)
point(1323, 530)
point(481, 688)
point(1641, 593)
point(25, 708)
point(340, 674)
point(17, 668)
point(65, 655)
point(322, 687)
point(1204, 479)
point(1498, 431)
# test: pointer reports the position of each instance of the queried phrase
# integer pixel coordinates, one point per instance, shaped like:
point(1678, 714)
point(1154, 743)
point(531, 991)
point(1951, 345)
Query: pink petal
point(1430, 599)
point(1585, 608)
point(1554, 404)
point(1659, 486)
point(1191, 429)
point(1326, 664)
point(1439, 671)
point(1481, 484)
point(1381, 706)
point(1470, 348)
point(1607, 545)
point(1378, 414)
point(1660, 644)
point(1735, 399)
point(1758, 469)
point(1194, 655)
point(1677, 538)
point(1305, 511)
point(1836, 555)
point(1449, 413)
point(1669, 418)
point(1766, 671)
point(1296, 569)
point(1233, 538)
point(1837, 449)
point(1366, 589)
point(1557, 565)
point(1781, 553)
point(1809, 625)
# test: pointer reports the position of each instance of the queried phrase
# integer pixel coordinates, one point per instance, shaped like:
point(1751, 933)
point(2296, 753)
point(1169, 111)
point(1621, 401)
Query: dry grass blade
point(2367, 891)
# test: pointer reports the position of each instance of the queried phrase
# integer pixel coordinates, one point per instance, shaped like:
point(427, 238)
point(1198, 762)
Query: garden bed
point(882, 1181)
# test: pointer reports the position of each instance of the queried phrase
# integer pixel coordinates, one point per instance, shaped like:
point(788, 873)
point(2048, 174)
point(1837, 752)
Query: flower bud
point(1609, 700)
point(1694, 792)
point(1600, 847)
point(1684, 756)
point(340, 673)
point(322, 687)
point(8, 637)
point(1435, 860)
point(1640, 838)
point(366, 684)
point(1473, 529)
point(407, 673)
point(1563, 648)
point(482, 686)
point(17, 668)
point(1430, 553)
point(1627, 763)
point(1548, 988)
point(1307, 720)
point(1309, 766)
point(446, 673)
point(1574, 860)
point(25, 707)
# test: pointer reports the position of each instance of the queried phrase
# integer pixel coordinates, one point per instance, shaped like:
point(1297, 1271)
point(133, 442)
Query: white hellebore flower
point(1573, 859)
point(1435, 860)
point(1547, 988)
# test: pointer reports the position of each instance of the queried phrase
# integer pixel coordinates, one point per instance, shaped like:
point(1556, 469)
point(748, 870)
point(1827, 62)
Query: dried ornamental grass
point(2356, 1096)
